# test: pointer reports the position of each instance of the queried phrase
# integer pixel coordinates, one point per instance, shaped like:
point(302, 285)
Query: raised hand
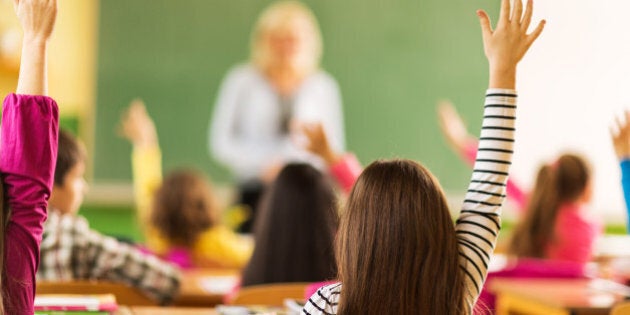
point(453, 127)
point(317, 142)
point(620, 134)
point(37, 18)
point(506, 45)
point(137, 126)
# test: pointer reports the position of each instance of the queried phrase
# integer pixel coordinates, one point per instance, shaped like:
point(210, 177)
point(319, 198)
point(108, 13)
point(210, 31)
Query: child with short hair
point(179, 215)
point(397, 249)
point(70, 250)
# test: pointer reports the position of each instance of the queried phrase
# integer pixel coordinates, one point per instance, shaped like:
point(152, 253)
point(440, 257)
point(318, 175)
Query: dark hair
point(295, 229)
point(183, 207)
point(564, 181)
point(397, 249)
point(70, 153)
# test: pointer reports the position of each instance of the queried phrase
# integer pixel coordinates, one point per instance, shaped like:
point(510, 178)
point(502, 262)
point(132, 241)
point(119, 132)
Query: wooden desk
point(550, 297)
point(192, 293)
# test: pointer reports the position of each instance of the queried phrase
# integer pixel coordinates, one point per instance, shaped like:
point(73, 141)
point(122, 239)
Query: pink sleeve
point(575, 237)
point(514, 193)
point(346, 171)
point(28, 153)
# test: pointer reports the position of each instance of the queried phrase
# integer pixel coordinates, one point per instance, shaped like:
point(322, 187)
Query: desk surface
point(145, 310)
point(570, 294)
point(192, 292)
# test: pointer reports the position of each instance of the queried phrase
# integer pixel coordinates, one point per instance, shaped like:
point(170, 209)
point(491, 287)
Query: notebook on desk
point(61, 304)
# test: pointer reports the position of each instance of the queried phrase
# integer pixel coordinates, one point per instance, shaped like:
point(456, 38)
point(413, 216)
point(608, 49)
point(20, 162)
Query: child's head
point(567, 180)
point(295, 229)
point(69, 185)
point(397, 249)
point(184, 207)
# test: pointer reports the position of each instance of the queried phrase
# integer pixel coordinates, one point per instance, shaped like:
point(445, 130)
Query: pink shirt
point(575, 234)
point(28, 152)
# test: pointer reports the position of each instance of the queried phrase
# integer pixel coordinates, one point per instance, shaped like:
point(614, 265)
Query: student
point(28, 148)
point(295, 229)
point(72, 251)
point(620, 134)
point(397, 249)
point(555, 222)
point(180, 214)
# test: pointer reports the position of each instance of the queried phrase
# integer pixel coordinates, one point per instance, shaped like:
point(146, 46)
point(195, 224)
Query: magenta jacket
point(28, 153)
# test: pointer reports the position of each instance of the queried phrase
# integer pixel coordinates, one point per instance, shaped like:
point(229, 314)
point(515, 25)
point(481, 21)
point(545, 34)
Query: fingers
point(484, 20)
point(534, 35)
point(16, 3)
point(504, 16)
point(527, 17)
point(517, 13)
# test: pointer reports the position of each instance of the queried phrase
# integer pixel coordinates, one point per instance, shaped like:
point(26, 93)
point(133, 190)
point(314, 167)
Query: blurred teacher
point(260, 102)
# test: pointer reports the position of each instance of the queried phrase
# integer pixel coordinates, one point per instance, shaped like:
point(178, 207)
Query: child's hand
point(317, 142)
point(507, 44)
point(137, 126)
point(620, 134)
point(37, 18)
point(452, 126)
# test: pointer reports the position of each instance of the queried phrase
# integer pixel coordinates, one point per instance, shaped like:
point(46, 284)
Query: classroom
point(201, 157)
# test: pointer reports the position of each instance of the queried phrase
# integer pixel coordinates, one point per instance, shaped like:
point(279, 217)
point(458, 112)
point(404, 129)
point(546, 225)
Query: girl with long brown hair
point(556, 224)
point(397, 249)
point(27, 160)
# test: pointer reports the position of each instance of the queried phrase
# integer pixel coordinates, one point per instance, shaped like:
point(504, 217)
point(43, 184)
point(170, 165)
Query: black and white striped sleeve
point(479, 221)
point(324, 301)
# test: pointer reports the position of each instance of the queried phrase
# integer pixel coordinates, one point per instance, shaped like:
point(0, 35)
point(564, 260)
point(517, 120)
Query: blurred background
point(393, 60)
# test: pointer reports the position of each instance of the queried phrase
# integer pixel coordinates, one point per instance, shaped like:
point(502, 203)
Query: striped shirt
point(479, 221)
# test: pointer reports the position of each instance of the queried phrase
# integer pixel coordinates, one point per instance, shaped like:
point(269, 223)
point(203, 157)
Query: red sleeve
point(28, 153)
point(346, 171)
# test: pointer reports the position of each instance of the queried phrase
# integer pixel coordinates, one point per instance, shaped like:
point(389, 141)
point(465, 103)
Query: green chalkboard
point(393, 60)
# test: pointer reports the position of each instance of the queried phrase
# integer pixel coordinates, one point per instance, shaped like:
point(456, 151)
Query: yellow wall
point(71, 60)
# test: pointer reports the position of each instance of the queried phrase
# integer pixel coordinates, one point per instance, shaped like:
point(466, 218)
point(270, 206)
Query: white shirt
point(245, 132)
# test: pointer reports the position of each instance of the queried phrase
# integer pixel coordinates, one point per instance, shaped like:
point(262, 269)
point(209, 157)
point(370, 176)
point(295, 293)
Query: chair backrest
point(621, 309)
point(270, 294)
point(125, 295)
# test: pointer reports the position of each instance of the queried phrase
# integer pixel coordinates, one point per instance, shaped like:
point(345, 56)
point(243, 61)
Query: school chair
point(125, 295)
point(621, 309)
point(270, 294)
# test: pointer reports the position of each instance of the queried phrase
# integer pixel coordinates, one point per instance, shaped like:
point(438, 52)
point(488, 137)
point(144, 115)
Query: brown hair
point(183, 207)
point(295, 230)
point(397, 250)
point(70, 152)
point(564, 181)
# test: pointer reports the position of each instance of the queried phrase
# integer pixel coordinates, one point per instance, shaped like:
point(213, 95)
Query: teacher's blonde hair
point(273, 18)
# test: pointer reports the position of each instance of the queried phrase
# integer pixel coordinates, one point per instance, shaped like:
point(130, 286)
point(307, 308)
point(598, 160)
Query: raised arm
point(479, 221)
point(28, 151)
point(146, 159)
point(345, 168)
point(620, 134)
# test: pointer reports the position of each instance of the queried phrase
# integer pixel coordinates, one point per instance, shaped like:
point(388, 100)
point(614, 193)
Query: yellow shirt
point(218, 246)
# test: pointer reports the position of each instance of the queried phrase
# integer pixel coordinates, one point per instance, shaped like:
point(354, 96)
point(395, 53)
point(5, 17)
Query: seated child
point(70, 250)
point(179, 215)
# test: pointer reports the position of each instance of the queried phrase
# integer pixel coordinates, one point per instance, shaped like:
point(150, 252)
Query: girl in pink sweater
point(28, 150)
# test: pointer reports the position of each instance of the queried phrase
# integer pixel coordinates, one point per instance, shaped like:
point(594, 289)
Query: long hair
point(562, 182)
point(397, 250)
point(295, 230)
point(274, 18)
point(183, 207)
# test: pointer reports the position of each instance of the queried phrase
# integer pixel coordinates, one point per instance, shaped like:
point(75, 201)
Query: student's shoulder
point(326, 298)
point(58, 220)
